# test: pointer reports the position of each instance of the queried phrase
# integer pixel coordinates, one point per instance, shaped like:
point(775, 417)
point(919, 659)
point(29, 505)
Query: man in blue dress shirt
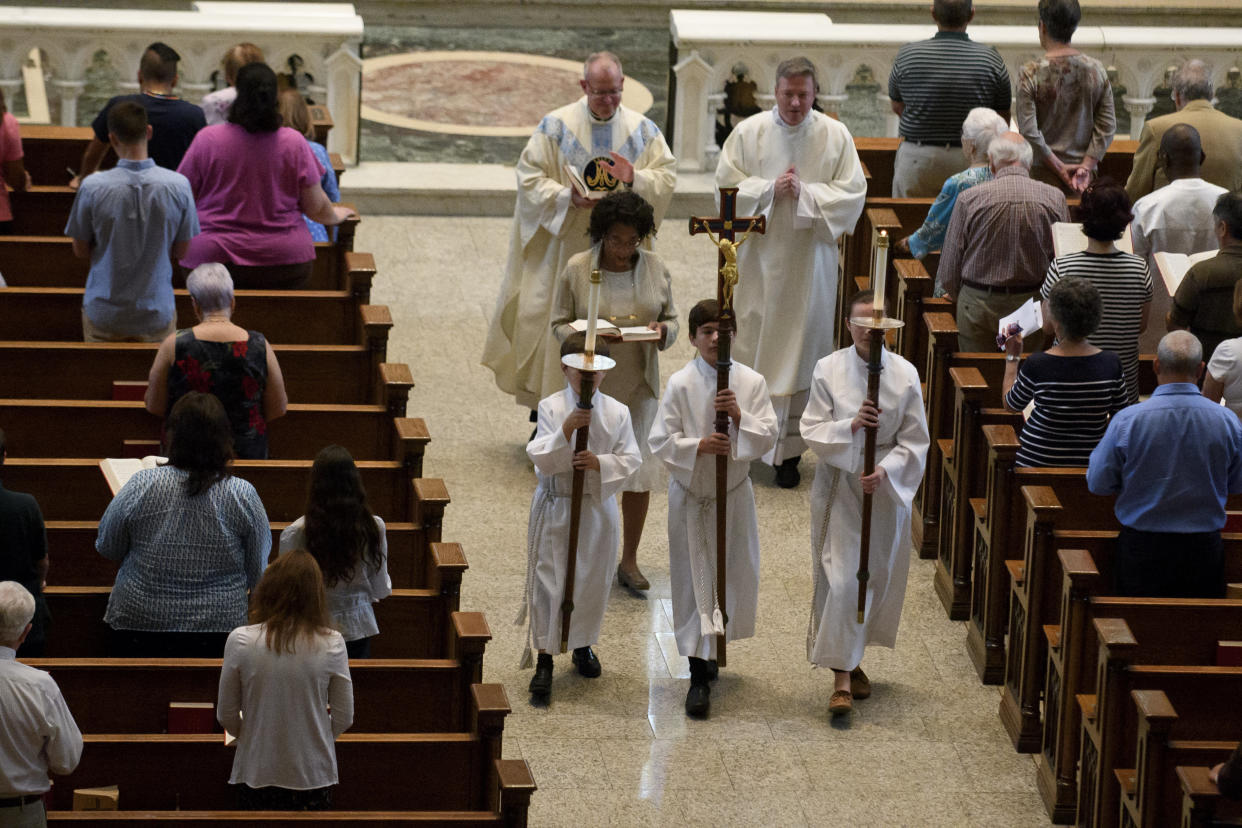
point(1172, 461)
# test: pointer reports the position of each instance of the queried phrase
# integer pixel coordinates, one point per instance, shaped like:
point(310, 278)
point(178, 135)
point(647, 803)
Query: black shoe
point(787, 475)
point(713, 670)
point(698, 700)
point(587, 662)
point(541, 683)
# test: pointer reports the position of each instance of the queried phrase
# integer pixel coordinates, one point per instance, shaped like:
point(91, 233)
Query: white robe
point(547, 539)
point(787, 287)
point(835, 638)
point(687, 414)
point(637, 297)
point(548, 230)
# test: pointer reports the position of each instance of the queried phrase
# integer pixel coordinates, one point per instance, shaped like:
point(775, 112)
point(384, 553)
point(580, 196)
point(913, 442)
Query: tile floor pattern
point(927, 749)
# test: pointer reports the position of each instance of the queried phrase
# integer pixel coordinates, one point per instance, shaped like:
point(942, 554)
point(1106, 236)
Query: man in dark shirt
point(933, 86)
point(23, 555)
point(174, 122)
point(1204, 302)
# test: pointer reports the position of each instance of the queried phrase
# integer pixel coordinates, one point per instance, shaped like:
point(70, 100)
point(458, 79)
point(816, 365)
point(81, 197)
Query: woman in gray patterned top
point(191, 541)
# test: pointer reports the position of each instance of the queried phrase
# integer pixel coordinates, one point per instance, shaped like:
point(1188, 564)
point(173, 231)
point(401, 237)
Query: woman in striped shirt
point(1075, 386)
point(1121, 278)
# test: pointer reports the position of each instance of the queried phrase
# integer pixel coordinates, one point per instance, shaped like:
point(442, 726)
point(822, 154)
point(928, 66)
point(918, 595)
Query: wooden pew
point(378, 771)
point(1150, 791)
point(413, 623)
point(914, 299)
point(75, 489)
point(348, 374)
point(415, 561)
point(1073, 647)
point(52, 150)
point(129, 695)
point(48, 261)
point(964, 467)
point(942, 344)
point(294, 317)
point(88, 428)
point(1202, 804)
point(1109, 721)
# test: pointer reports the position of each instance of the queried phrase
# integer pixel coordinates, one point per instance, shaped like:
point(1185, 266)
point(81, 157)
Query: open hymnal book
point(1027, 320)
point(638, 333)
point(580, 186)
point(118, 470)
point(1173, 266)
point(1067, 237)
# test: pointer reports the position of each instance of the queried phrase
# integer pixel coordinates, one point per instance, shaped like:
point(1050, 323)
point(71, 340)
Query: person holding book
point(1202, 303)
point(685, 439)
point(1176, 218)
point(285, 692)
point(610, 458)
point(637, 292)
point(1075, 386)
point(191, 540)
point(595, 141)
point(1122, 279)
point(348, 542)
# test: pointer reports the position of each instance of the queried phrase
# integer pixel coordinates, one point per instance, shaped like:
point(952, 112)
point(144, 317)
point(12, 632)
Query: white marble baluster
point(70, 91)
point(1138, 109)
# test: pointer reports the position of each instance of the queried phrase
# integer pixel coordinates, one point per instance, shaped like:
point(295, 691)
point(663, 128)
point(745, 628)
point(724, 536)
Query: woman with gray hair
point(217, 357)
point(980, 127)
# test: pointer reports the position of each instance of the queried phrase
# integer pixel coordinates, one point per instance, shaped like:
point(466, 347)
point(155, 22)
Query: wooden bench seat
point(293, 317)
point(86, 370)
point(48, 261)
point(413, 623)
point(417, 559)
point(1175, 631)
point(1110, 719)
point(75, 489)
point(108, 695)
point(77, 428)
point(378, 771)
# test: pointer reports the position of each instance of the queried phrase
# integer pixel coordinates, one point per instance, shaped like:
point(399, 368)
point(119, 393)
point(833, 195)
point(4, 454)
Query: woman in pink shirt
point(253, 180)
point(14, 171)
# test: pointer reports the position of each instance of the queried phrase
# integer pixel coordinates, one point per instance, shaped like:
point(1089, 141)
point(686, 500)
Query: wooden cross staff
point(722, 231)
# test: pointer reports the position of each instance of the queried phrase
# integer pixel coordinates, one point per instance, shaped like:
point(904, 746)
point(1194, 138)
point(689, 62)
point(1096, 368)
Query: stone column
point(69, 90)
point(694, 138)
point(344, 99)
point(1138, 109)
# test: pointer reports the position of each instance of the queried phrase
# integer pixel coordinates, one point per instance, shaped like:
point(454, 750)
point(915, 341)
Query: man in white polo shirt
point(38, 734)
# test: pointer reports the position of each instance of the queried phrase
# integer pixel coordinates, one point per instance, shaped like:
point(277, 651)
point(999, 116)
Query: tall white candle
point(880, 276)
point(593, 310)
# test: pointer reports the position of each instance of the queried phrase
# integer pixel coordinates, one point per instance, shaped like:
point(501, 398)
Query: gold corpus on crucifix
point(726, 280)
point(728, 274)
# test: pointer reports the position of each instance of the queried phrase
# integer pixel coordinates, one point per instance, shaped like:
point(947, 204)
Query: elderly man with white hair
point(38, 735)
point(1172, 461)
point(981, 126)
point(1220, 136)
point(998, 245)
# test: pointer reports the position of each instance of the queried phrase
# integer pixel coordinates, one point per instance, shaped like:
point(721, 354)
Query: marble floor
point(927, 749)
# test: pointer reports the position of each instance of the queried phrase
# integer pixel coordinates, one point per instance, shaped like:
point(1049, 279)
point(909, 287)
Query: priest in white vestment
point(799, 169)
point(614, 456)
point(834, 426)
point(611, 147)
point(684, 437)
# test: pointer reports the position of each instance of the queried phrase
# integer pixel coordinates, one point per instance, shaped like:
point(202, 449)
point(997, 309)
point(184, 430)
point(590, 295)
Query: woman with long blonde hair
point(285, 691)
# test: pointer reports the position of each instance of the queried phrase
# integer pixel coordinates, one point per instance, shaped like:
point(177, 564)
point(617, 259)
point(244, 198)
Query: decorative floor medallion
point(491, 94)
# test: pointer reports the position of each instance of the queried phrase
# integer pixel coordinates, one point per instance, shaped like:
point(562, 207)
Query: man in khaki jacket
point(1220, 134)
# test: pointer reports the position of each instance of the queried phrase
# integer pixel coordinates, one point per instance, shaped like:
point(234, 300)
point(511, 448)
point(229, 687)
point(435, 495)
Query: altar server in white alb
point(834, 425)
point(612, 147)
point(612, 455)
point(798, 168)
point(684, 437)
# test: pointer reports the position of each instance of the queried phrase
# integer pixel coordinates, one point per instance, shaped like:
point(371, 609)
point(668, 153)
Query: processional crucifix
point(722, 231)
